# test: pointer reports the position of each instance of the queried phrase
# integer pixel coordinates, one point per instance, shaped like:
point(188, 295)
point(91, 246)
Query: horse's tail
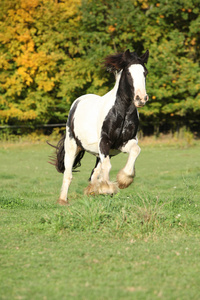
point(58, 159)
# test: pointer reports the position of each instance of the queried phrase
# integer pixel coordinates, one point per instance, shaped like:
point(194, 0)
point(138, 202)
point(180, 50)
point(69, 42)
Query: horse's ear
point(145, 57)
point(127, 55)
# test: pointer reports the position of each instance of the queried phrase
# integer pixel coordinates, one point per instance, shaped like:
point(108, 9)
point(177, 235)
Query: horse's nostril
point(137, 98)
point(146, 98)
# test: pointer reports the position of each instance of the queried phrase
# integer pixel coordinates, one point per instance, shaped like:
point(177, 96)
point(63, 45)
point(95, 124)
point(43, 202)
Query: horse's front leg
point(126, 175)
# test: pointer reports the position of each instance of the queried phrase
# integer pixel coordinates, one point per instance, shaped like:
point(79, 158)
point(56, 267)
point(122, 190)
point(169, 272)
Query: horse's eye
point(145, 73)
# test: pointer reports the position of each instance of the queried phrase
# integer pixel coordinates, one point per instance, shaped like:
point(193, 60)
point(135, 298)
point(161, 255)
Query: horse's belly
point(89, 139)
point(114, 152)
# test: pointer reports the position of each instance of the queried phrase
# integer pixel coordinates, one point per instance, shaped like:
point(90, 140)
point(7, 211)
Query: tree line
point(51, 52)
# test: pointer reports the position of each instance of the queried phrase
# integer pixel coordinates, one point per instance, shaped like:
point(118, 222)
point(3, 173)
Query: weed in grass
point(10, 203)
point(191, 186)
point(118, 216)
point(149, 215)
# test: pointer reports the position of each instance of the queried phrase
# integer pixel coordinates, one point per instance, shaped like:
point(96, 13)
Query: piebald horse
point(105, 126)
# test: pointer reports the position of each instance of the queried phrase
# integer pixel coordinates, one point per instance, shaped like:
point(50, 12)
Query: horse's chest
point(120, 127)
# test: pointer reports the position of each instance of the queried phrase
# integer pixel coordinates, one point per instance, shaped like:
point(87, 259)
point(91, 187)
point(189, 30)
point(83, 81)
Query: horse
point(105, 126)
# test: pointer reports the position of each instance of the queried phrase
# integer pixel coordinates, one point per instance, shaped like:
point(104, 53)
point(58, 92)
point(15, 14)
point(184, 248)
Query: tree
point(37, 47)
point(52, 51)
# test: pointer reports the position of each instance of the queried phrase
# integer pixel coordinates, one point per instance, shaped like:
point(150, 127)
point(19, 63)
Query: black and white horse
point(105, 126)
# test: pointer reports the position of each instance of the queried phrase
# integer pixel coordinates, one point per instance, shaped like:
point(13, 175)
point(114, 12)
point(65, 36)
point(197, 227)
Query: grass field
point(142, 243)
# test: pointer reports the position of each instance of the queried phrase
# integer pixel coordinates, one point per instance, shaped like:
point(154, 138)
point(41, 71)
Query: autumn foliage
point(51, 53)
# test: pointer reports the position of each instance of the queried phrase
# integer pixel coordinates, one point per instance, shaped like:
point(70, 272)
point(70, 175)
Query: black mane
point(117, 62)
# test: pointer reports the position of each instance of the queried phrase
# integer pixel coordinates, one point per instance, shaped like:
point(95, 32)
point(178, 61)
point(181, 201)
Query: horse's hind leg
point(105, 186)
point(94, 173)
point(71, 151)
point(92, 188)
point(125, 176)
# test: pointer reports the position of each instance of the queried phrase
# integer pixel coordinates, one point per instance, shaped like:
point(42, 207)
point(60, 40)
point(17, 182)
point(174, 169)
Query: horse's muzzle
point(141, 101)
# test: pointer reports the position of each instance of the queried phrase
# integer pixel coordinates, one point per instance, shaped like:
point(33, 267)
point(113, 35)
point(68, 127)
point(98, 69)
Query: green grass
point(142, 243)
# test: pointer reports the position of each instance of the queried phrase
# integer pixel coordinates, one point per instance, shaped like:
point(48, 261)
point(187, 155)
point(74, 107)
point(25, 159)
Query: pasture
point(142, 243)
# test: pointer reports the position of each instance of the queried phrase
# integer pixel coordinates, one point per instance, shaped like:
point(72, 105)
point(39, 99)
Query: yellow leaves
point(70, 7)
point(13, 85)
point(25, 76)
point(4, 64)
point(20, 16)
point(44, 83)
point(144, 4)
point(14, 112)
point(24, 37)
point(28, 61)
point(28, 4)
point(36, 67)
point(27, 67)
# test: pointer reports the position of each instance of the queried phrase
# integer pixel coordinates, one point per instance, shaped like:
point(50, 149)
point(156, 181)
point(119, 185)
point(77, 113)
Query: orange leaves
point(111, 28)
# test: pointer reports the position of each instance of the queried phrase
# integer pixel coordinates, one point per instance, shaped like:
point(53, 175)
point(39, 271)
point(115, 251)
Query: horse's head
point(136, 71)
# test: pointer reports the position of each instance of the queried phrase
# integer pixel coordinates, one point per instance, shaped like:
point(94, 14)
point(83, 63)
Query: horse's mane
point(117, 62)
point(114, 62)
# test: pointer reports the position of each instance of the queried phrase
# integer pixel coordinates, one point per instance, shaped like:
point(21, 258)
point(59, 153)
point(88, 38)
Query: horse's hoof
point(62, 202)
point(123, 179)
point(101, 188)
point(107, 188)
point(91, 190)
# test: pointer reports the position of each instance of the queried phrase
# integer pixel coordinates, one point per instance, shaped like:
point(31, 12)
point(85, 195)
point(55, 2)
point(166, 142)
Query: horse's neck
point(125, 92)
point(112, 93)
point(121, 93)
point(117, 82)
